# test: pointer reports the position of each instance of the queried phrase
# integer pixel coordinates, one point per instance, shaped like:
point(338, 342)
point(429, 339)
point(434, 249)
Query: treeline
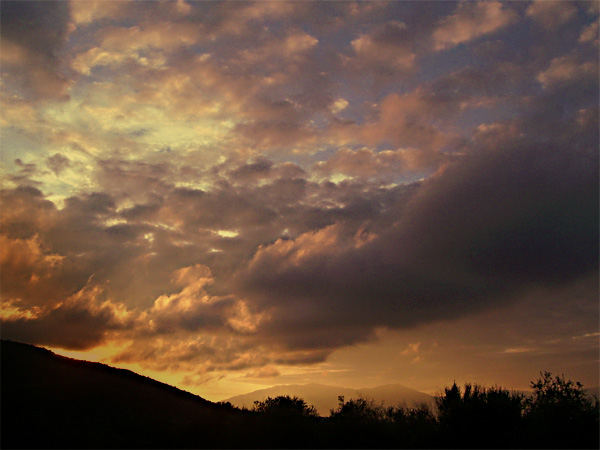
point(557, 415)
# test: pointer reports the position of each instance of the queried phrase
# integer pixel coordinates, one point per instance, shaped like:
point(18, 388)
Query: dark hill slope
point(50, 401)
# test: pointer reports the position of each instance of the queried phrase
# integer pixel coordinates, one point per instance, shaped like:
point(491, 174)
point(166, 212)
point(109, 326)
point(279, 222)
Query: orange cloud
point(413, 120)
point(551, 14)
point(470, 21)
point(81, 321)
point(365, 163)
point(388, 45)
point(567, 69)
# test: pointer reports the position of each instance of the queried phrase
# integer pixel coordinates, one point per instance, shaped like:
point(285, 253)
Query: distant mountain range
point(325, 398)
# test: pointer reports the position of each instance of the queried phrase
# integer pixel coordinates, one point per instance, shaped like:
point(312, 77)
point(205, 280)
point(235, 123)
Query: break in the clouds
point(222, 188)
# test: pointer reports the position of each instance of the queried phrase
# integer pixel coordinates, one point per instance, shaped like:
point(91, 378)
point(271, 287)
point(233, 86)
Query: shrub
point(479, 417)
point(559, 415)
point(285, 405)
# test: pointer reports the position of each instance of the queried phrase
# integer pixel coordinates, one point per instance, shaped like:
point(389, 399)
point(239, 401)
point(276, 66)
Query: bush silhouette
point(359, 423)
point(559, 415)
point(286, 422)
point(286, 406)
point(358, 410)
point(479, 417)
point(414, 427)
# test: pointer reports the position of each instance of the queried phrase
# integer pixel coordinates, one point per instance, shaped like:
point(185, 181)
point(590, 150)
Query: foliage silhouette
point(286, 422)
point(359, 423)
point(479, 417)
point(559, 415)
point(414, 427)
point(285, 405)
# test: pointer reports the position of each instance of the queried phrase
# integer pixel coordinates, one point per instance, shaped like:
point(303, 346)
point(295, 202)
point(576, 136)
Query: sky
point(230, 195)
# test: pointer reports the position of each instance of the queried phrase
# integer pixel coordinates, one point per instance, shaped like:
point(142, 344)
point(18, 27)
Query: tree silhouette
point(286, 422)
point(358, 409)
point(479, 417)
point(285, 405)
point(414, 427)
point(559, 415)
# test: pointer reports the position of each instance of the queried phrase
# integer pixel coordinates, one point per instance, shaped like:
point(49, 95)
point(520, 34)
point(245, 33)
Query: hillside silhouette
point(54, 401)
point(50, 401)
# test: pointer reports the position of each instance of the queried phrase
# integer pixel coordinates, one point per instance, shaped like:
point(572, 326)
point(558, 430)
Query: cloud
point(80, 322)
point(470, 21)
point(415, 120)
point(58, 162)
point(365, 163)
point(33, 34)
point(84, 13)
point(263, 372)
point(26, 264)
point(590, 33)
point(192, 308)
point(551, 15)
point(568, 69)
point(483, 229)
point(388, 47)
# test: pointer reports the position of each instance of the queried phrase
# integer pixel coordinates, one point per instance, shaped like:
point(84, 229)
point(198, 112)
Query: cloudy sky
point(231, 195)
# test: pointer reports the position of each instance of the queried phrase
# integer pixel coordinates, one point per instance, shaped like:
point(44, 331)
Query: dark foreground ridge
point(49, 401)
point(53, 401)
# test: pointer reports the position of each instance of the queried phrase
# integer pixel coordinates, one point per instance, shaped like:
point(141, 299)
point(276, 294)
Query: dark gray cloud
point(488, 226)
point(33, 34)
point(58, 163)
point(79, 322)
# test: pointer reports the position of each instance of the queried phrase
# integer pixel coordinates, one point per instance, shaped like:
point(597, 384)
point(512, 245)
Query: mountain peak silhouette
point(325, 397)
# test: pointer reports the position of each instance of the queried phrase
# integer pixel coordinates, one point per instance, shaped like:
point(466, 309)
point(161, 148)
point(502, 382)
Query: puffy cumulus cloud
point(90, 11)
point(240, 20)
point(144, 45)
point(143, 228)
point(58, 163)
point(262, 170)
point(551, 14)
point(419, 120)
point(365, 163)
point(25, 212)
point(387, 48)
point(292, 46)
point(151, 252)
point(26, 265)
point(470, 21)
point(86, 13)
point(486, 227)
point(81, 321)
point(193, 308)
point(590, 33)
point(33, 34)
point(241, 88)
point(568, 69)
